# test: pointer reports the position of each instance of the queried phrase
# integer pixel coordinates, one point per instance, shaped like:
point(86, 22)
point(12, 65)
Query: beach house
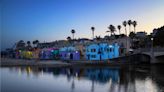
point(49, 53)
point(102, 51)
point(69, 53)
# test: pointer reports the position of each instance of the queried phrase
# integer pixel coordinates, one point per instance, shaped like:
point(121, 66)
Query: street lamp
point(152, 50)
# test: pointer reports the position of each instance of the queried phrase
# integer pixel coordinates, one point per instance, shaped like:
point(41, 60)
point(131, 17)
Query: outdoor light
point(152, 38)
point(76, 51)
point(110, 46)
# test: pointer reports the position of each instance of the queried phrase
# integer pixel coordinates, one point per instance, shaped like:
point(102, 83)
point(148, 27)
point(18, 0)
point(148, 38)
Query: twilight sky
point(50, 20)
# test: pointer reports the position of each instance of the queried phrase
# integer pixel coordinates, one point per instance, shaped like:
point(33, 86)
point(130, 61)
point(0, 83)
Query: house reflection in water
point(127, 79)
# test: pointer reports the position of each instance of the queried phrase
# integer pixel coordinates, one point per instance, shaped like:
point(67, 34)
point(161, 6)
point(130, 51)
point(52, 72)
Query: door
point(71, 56)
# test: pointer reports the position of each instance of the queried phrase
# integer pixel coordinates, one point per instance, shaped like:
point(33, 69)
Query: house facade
point(69, 53)
point(102, 51)
point(49, 53)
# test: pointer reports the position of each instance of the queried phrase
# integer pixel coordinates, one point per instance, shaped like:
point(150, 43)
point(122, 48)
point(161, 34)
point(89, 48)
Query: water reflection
point(120, 79)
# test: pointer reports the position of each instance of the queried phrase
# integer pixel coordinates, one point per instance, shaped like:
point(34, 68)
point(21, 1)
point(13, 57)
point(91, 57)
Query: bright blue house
point(102, 51)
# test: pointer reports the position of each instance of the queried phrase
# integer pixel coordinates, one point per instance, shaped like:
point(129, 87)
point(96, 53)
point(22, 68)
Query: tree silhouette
point(119, 28)
point(69, 39)
point(28, 43)
point(124, 24)
point(73, 32)
point(134, 25)
point(112, 29)
point(93, 29)
point(129, 23)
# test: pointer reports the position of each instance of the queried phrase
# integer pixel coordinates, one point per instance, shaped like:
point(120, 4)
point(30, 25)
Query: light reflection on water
point(84, 79)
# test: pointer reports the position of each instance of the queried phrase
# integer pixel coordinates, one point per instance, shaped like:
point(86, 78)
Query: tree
point(37, 42)
point(112, 29)
point(158, 41)
point(34, 42)
point(119, 28)
point(134, 25)
point(132, 35)
point(98, 38)
point(93, 29)
point(73, 32)
point(69, 39)
point(28, 43)
point(124, 24)
point(129, 23)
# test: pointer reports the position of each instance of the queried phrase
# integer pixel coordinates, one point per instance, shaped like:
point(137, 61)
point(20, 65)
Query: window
point(93, 56)
point(107, 49)
point(110, 49)
point(93, 50)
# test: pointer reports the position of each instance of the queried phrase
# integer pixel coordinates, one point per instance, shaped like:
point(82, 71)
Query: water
point(84, 79)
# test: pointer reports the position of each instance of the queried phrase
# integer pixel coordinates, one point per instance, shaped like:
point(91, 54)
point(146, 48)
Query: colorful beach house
point(49, 53)
point(36, 52)
point(69, 53)
point(26, 54)
point(102, 51)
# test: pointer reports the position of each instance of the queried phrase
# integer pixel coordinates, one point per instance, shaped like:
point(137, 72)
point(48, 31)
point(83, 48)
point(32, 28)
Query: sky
point(50, 20)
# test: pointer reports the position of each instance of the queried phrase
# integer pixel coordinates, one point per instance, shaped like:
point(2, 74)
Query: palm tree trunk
point(93, 34)
point(73, 36)
point(126, 39)
point(129, 29)
point(119, 32)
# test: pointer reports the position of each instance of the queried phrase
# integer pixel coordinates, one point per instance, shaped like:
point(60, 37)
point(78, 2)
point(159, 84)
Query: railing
point(156, 49)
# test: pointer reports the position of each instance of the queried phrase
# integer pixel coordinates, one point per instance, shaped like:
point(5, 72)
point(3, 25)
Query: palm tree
point(119, 27)
point(73, 32)
point(124, 24)
point(28, 43)
point(34, 42)
point(93, 29)
point(37, 42)
point(129, 23)
point(134, 25)
point(69, 39)
point(112, 29)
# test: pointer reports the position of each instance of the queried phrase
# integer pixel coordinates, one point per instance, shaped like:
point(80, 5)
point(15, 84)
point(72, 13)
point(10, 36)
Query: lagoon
point(83, 79)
